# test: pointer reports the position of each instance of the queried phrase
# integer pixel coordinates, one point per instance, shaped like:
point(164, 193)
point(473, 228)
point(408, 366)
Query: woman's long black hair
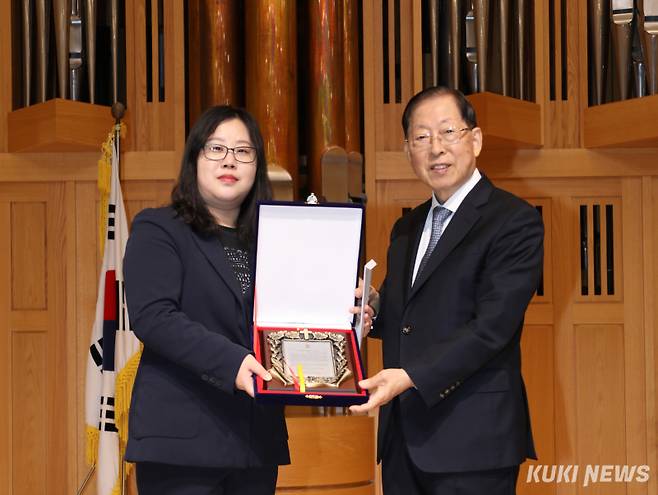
point(185, 196)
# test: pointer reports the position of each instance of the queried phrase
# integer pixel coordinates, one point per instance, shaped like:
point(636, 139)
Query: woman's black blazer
point(187, 308)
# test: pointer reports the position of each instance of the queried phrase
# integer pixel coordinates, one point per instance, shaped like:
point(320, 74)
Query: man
point(462, 268)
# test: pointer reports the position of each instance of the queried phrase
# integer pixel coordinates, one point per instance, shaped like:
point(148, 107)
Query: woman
point(194, 426)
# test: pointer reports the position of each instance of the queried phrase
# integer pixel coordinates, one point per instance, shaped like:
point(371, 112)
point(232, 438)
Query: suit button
point(442, 396)
point(204, 377)
point(406, 329)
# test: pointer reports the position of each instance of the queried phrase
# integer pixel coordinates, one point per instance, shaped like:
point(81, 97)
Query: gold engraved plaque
point(322, 355)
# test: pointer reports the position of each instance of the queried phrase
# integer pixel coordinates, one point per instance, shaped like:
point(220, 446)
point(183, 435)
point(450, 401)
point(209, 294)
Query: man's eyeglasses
point(447, 136)
point(216, 152)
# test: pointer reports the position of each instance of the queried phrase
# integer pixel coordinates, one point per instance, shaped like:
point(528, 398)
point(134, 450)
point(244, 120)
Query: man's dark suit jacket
point(187, 307)
point(457, 330)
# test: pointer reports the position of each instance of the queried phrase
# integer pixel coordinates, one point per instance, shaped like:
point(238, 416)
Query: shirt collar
point(453, 202)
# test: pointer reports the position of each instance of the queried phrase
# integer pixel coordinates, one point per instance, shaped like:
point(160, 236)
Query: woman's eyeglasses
point(217, 152)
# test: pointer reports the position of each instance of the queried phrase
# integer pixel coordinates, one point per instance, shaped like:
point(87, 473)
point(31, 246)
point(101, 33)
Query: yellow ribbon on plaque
point(300, 376)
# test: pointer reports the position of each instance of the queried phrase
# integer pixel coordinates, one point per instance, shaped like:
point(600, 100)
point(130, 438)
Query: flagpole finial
point(118, 111)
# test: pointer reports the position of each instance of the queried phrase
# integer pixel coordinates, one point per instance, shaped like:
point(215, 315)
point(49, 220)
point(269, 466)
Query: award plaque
point(306, 271)
point(317, 361)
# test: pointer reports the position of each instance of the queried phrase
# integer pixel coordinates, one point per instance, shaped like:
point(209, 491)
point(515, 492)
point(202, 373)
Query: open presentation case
point(306, 270)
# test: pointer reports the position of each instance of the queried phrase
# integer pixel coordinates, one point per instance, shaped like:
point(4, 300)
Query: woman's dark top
point(239, 257)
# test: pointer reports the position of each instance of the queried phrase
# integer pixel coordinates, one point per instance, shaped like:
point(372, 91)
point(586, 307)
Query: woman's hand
point(249, 367)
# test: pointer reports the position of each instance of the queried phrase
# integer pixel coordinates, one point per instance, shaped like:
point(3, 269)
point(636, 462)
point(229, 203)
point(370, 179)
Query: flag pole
point(122, 468)
point(83, 485)
point(118, 111)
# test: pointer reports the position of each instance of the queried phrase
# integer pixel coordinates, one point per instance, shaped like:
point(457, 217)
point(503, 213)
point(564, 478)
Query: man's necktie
point(439, 217)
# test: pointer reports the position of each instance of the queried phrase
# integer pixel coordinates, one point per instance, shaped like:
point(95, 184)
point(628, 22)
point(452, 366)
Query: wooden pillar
point(327, 110)
point(481, 8)
point(6, 81)
point(351, 74)
point(221, 61)
point(352, 97)
point(43, 40)
point(193, 55)
point(271, 82)
point(62, 13)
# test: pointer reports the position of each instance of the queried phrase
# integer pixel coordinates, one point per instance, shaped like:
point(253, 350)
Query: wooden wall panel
point(87, 267)
point(5, 350)
point(320, 463)
point(538, 373)
point(145, 194)
point(541, 309)
point(35, 342)
point(63, 225)
point(573, 310)
point(60, 411)
point(650, 299)
point(29, 413)
point(564, 286)
point(28, 255)
point(601, 400)
point(636, 383)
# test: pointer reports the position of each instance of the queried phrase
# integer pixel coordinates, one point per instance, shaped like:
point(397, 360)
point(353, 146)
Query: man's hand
point(369, 311)
point(384, 386)
point(249, 367)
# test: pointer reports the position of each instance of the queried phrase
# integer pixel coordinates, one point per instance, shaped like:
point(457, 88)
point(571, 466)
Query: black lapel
point(415, 233)
point(464, 218)
point(214, 251)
